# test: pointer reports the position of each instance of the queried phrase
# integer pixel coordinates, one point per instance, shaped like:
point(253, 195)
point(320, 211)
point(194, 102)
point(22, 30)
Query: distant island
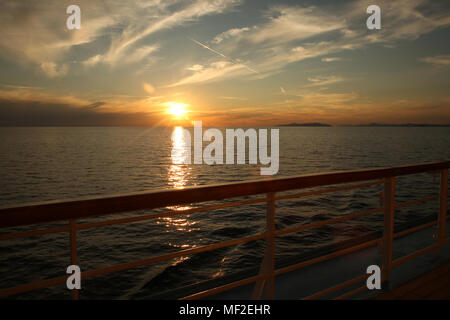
point(311, 124)
point(402, 125)
point(373, 124)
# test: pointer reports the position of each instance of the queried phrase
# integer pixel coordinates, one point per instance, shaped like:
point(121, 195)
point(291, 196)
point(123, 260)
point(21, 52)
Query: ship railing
point(75, 211)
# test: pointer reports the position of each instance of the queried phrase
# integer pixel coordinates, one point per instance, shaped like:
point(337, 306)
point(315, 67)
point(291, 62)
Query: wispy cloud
point(323, 80)
point(229, 34)
point(292, 23)
point(224, 56)
point(438, 60)
point(35, 32)
point(233, 98)
point(148, 88)
point(331, 59)
point(288, 33)
point(136, 31)
point(291, 34)
point(53, 70)
point(195, 67)
point(39, 95)
point(326, 100)
point(215, 71)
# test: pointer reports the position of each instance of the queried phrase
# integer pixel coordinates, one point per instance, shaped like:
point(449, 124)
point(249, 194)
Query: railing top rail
point(45, 212)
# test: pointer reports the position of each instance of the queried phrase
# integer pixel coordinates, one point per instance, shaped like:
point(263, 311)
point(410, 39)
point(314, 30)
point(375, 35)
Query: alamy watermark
point(74, 20)
point(74, 280)
point(236, 140)
point(373, 22)
point(374, 280)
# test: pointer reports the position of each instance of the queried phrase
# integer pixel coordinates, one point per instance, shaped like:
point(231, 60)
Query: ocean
point(59, 163)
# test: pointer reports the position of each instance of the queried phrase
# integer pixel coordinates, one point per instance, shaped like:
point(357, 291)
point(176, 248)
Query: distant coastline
point(312, 124)
point(401, 125)
point(318, 124)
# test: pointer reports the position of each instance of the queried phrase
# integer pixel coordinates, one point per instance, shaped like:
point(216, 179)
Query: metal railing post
point(388, 230)
point(268, 263)
point(442, 218)
point(270, 220)
point(73, 251)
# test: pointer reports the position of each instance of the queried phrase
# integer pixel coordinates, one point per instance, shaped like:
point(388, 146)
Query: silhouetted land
point(312, 124)
point(373, 124)
point(402, 125)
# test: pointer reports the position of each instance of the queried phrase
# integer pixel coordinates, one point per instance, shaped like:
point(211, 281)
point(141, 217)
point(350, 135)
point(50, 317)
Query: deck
point(301, 283)
point(433, 285)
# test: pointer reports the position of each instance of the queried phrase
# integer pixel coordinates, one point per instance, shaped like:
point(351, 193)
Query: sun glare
point(177, 109)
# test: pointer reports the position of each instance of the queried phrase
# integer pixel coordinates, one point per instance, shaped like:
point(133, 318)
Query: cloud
point(327, 100)
point(37, 113)
point(140, 53)
point(277, 58)
point(23, 106)
point(323, 80)
point(409, 19)
point(291, 33)
point(233, 98)
point(92, 61)
point(195, 67)
point(117, 32)
point(291, 23)
point(37, 94)
point(53, 70)
point(331, 59)
point(34, 32)
point(438, 60)
point(148, 88)
point(16, 87)
point(229, 34)
point(275, 43)
point(223, 56)
point(215, 71)
point(218, 70)
point(188, 12)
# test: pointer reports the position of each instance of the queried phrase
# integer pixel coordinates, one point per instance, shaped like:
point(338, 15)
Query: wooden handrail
point(45, 212)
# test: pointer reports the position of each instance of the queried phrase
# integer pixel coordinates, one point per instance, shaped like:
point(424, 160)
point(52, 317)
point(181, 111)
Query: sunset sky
point(226, 62)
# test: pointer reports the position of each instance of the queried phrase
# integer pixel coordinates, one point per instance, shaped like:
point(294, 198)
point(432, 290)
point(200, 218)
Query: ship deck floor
point(433, 285)
point(424, 277)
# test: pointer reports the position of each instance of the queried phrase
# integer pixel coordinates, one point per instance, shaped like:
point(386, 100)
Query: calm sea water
point(39, 164)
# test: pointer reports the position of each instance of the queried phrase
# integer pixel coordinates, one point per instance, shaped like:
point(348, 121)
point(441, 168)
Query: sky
point(223, 62)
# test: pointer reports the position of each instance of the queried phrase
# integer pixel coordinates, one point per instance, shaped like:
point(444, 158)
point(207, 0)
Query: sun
point(177, 109)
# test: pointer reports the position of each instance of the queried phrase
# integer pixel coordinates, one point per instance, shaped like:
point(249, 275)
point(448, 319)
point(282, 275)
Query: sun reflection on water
point(178, 176)
point(178, 171)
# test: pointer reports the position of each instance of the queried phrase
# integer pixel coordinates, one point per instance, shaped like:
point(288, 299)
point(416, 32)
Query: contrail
point(222, 55)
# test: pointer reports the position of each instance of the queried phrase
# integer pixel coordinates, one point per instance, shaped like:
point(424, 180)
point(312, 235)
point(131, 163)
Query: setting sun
point(177, 109)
